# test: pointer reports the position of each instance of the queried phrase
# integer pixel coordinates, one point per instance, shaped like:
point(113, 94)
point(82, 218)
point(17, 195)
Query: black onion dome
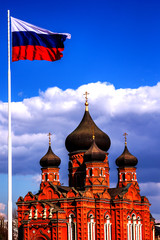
point(50, 159)
point(94, 154)
point(126, 159)
point(81, 137)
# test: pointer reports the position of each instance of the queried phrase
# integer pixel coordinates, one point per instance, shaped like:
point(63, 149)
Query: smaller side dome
point(50, 159)
point(94, 154)
point(126, 159)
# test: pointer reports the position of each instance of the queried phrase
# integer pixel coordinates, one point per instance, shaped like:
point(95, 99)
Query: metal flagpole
point(9, 139)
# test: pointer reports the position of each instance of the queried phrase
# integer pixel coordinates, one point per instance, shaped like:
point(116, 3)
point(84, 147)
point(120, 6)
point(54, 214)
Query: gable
point(29, 197)
point(105, 194)
point(49, 192)
point(132, 194)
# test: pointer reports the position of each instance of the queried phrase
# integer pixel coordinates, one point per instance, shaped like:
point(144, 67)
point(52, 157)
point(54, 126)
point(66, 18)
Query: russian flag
point(35, 43)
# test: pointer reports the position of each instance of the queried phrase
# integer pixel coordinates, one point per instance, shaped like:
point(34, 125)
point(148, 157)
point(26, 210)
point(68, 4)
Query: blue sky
point(114, 42)
point(118, 39)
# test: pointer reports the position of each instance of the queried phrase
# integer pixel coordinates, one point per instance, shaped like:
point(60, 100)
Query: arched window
point(44, 213)
point(46, 177)
point(71, 228)
point(107, 229)
point(123, 177)
point(90, 172)
point(139, 229)
point(91, 228)
point(129, 229)
point(134, 228)
point(30, 214)
point(50, 213)
point(55, 177)
point(78, 181)
point(35, 213)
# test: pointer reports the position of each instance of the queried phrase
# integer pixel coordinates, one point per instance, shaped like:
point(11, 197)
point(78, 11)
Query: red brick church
point(87, 209)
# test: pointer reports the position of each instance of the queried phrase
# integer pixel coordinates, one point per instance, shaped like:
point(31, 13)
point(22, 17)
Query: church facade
point(87, 209)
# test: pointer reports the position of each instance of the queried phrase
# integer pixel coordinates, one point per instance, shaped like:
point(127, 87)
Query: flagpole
point(9, 139)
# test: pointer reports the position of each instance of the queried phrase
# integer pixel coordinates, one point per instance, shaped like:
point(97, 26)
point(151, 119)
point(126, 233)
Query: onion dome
point(126, 159)
point(50, 159)
point(81, 138)
point(94, 154)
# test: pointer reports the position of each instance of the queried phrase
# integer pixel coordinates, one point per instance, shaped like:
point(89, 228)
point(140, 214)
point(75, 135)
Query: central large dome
point(81, 138)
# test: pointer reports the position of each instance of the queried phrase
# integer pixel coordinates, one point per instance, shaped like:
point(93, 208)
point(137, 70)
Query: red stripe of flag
point(36, 53)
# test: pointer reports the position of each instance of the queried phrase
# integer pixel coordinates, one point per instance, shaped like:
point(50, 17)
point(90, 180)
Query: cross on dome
point(49, 134)
point(125, 138)
point(86, 97)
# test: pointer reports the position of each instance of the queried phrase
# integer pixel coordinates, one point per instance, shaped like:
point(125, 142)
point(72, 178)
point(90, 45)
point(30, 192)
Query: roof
point(81, 137)
point(50, 159)
point(63, 188)
point(118, 191)
point(94, 154)
point(126, 159)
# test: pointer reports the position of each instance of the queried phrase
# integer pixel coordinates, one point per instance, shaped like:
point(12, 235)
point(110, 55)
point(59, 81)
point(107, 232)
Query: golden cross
point(93, 132)
point(125, 137)
point(86, 94)
point(49, 134)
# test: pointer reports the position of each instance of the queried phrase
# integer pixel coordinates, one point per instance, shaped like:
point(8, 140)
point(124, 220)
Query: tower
point(97, 169)
point(126, 163)
point(78, 142)
point(50, 166)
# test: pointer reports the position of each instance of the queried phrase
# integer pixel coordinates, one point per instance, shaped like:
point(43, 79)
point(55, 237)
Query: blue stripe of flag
point(32, 38)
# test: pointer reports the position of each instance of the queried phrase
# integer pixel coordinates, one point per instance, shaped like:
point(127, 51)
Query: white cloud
point(37, 178)
point(136, 111)
point(115, 111)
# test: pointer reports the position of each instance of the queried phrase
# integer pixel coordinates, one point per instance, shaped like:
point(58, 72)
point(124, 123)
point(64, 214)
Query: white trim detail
point(30, 214)
point(134, 228)
point(107, 229)
point(91, 228)
point(72, 234)
point(153, 233)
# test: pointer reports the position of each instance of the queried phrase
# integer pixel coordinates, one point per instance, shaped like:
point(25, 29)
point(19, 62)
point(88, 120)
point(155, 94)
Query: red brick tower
point(50, 169)
point(78, 142)
point(127, 170)
point(134, 221)
point(97, 169)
